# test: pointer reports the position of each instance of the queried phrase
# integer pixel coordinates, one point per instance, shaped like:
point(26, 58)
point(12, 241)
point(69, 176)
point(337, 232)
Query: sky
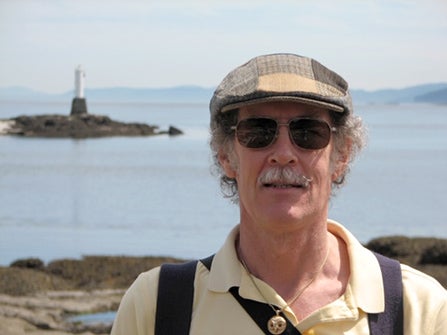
point(373, 44)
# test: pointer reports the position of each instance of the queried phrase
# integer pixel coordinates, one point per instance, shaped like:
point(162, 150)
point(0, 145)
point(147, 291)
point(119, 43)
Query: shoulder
point(145, 285)
point(136, 312)
point(421, 285)
point(425, 299)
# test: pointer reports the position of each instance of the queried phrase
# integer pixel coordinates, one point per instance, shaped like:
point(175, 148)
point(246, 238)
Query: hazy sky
point(372, 44)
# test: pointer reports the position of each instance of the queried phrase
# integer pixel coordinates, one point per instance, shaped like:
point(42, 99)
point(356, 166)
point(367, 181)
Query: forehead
point(283, 110)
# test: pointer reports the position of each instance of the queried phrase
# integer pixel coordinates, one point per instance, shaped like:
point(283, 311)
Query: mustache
point(284, 176)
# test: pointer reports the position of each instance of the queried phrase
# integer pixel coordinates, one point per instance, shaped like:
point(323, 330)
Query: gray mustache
point(284, 175)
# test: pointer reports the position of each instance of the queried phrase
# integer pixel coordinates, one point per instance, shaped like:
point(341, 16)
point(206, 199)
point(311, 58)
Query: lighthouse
point(79, 104)
point(79, 81)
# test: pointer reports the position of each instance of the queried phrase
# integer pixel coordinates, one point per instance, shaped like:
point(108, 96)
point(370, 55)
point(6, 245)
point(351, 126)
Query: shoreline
point(37, 297)
point(49, 312)
point(40, 298)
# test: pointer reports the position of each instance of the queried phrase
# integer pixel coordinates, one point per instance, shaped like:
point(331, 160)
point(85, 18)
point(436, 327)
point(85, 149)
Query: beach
point(46, 312)
point(39, 298)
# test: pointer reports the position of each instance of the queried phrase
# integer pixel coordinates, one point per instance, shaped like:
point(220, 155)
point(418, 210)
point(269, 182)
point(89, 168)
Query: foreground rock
point(77, 126)
point(37, 298)
point(48, 312)
point(32, 276)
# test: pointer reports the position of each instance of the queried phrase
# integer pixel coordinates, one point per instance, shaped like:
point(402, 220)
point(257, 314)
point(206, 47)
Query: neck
point(296, 255)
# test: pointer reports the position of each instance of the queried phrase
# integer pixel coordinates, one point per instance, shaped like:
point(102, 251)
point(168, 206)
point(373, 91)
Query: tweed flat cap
point(282, 77)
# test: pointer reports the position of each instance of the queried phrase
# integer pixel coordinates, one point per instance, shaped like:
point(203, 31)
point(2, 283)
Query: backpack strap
point(391, 320)
point(175, 297)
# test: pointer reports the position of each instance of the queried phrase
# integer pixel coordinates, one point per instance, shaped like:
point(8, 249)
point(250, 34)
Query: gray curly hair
point(350, 129)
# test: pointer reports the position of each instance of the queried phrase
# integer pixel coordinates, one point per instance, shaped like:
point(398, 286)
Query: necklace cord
point(299, 292)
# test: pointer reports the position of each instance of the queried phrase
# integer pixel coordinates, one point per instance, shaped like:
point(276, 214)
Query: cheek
point(245, 170)
point(234, 163)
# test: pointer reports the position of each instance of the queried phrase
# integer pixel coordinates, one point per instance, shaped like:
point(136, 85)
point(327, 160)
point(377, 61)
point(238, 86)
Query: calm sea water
point(156, 196)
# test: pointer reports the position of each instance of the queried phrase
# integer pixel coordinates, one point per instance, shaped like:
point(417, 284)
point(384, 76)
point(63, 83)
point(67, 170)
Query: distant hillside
point(429, 93)
point(23, 93)
point(405, 95)
point(180, 94)
point(187, 94)
point(437, 97)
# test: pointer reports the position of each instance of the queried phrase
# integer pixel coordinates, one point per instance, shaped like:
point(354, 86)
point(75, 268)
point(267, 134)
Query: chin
point(287, 216)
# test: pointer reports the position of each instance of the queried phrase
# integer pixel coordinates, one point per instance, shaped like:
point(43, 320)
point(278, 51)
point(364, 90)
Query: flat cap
point(282, 77)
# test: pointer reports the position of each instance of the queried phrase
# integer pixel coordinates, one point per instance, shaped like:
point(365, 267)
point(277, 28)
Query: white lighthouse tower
point(79, 104)
point(79, 81)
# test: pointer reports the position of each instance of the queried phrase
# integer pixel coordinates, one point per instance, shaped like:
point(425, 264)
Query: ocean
point(65, 198)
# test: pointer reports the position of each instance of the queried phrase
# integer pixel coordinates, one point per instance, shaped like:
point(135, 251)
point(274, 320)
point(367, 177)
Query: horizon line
point(198, 87)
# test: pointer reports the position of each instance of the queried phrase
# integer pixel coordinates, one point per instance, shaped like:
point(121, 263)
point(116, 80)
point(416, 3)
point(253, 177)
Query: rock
point(78, 125)
point(49, 311)
point(435, 254)
point(101, 272)
point(29, 263)
point(392, 246)
point(417, 250)
point(174, 131)
point(43, 301)
point(21, 281)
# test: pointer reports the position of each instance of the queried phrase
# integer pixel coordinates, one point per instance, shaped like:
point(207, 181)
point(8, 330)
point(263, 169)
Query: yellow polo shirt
point(215, 311)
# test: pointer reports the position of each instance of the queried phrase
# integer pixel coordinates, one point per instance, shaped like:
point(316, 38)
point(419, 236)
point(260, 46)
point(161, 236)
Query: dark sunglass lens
point(256, 132)
point(310, 134)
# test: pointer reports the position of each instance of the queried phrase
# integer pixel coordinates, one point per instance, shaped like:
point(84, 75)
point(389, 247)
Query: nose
point(283, 151)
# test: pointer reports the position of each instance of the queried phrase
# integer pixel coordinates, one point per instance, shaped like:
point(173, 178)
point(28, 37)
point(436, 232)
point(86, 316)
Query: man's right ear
point(225, 162)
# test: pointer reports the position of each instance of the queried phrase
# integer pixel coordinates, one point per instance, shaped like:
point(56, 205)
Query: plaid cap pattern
point(282, 77)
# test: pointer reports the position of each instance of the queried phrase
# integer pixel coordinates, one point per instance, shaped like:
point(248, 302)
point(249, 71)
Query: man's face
point(277, 203)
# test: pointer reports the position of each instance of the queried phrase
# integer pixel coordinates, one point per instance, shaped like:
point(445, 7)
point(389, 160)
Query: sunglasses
point(257, 133)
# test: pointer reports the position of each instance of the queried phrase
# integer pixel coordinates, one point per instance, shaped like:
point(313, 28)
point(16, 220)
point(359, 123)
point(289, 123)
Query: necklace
point(277, 323)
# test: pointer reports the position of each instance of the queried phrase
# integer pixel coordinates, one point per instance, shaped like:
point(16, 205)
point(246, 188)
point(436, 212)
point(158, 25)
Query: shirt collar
point(226, 268)
point(366, 277)
point(227, 271)
point(365, 280)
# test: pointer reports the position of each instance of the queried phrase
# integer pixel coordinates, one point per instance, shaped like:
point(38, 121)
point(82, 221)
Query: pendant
point(277, 324)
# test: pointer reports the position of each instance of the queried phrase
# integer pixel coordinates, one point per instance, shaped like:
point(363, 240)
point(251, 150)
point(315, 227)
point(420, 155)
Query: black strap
point(175, 297)
point(176, 293)
point(207, 262)
point(391, 320)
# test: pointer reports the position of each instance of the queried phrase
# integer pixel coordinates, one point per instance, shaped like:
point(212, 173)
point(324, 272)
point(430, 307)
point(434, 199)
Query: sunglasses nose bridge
point(279, 125)
point(286, 125)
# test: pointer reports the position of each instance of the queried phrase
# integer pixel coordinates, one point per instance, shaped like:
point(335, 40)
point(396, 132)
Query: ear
point(342, 161)
point(226, 164)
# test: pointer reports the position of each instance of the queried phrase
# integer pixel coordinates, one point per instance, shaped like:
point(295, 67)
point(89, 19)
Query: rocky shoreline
point(38, 298)
point(48, 312)
point(77, 126)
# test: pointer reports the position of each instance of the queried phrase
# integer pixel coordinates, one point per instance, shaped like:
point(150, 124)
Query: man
point(283, 136)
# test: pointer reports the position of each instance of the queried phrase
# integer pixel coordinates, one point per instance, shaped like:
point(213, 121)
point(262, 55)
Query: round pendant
point(277, 324)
